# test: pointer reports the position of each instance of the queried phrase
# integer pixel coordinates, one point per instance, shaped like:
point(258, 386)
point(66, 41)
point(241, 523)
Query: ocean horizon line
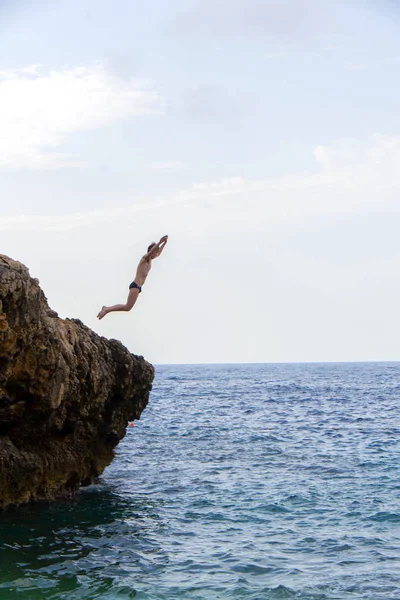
point(305, 362)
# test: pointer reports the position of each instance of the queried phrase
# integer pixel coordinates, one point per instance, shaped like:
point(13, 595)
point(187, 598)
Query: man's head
point(155, 253)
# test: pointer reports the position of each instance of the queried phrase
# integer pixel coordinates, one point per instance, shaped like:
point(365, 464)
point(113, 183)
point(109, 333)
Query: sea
point(247, 482)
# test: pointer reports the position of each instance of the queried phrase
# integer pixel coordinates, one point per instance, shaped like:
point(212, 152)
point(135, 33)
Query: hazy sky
point(262, 135)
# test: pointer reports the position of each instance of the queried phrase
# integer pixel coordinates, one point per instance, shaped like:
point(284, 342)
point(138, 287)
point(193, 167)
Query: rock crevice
point(66, 394)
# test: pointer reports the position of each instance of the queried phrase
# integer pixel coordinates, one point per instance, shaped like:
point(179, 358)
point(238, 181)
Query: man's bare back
point(142, 271)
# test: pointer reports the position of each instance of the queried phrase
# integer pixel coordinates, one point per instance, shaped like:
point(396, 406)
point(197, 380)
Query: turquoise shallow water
point(244, 481)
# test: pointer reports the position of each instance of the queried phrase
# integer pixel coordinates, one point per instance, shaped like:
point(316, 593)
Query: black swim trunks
point(135, 285)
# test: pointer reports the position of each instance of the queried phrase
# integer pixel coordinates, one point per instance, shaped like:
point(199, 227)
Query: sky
point(263, 136)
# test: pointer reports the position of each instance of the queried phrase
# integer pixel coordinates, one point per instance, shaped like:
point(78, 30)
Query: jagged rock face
point(66, 394)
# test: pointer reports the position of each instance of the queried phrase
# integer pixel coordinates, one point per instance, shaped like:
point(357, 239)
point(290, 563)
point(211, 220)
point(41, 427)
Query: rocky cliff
point(66, 394)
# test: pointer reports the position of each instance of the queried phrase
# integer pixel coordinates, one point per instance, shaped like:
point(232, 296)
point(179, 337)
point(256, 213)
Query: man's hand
point(164, 239)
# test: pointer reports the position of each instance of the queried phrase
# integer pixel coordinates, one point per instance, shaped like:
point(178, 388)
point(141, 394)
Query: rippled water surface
point(243, 481)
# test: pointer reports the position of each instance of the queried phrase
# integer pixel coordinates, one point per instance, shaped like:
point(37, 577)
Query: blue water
point(244, 481)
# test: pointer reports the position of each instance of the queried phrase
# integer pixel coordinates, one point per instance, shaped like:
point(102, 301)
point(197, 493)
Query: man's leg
point(132, 297)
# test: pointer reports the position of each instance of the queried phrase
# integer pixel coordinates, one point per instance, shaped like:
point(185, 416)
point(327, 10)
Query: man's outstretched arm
point(162, 243)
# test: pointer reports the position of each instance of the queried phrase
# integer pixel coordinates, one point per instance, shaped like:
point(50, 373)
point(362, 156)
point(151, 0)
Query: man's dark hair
point(151, 246)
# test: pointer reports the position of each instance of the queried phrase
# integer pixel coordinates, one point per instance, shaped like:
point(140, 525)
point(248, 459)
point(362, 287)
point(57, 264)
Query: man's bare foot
point(102, 313)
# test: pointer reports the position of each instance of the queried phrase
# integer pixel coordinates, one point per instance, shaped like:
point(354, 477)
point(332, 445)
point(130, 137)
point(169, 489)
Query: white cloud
point(350, 177)
point(40, 111)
